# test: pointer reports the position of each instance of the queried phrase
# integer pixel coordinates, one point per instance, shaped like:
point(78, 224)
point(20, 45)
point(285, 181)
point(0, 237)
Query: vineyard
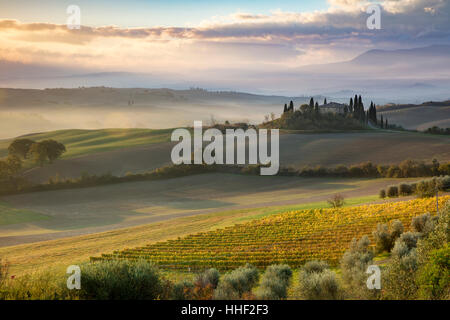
point(292, 238)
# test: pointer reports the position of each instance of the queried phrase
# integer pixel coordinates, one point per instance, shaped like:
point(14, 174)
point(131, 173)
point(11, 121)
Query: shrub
point(426, 188)
point(382, 238)
point(423, 223)
point(405, 243)
point(182, 291)
point(396, 230)
point(315, 266)
point(420, 260)
point(274, 283)
point(405, 189)
point(203, 286)
point(120, 280)
point(321, 285)
point(445, 182)
point(226, 291)
point(392, 192)
point(209, 277)
point(434, 277)
point(354, 264)
point(433, 258)
point(438, 237)
point(236, 283)
point(399, 277)
point(382, 194)
point(385, 237)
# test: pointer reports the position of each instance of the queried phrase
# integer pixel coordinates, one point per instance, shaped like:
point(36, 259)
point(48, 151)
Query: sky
point(187, 38)
point(146, 13)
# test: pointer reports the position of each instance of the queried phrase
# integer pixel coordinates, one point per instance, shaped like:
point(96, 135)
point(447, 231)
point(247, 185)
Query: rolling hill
point(291, 238)
point(63, 213)
point(120, 151)
point(418, 117)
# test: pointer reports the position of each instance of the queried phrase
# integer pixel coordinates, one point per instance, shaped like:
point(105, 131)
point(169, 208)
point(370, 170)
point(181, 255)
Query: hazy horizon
point(262, 47)
point(289, 49)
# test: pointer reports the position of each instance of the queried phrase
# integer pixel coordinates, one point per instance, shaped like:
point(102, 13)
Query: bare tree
point(336, 201)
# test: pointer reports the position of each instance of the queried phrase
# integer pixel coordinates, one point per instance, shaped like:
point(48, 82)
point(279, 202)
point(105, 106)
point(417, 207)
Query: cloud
point(343, 18)
point(241, 40)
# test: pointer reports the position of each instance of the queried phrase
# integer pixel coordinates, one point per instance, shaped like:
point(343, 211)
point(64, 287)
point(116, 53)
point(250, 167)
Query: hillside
point(81, 142)
point(139, 150)
point(418, 117)
point(292, 238)
point(55, 214)
point(57, 254)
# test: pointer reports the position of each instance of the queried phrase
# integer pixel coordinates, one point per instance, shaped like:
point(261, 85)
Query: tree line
point(406, 169)
point(423, 189)
point(437, 130)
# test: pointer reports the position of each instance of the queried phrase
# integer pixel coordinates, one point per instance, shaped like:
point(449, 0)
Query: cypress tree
point(285, 108)
point(356, 108)
point(291, 106)
point(351, 105)
point(311, 104)
point(381, 122)
point(386, 126)
point(374, 113)
point(361, 110)
point(325, 101)
point(316, 108)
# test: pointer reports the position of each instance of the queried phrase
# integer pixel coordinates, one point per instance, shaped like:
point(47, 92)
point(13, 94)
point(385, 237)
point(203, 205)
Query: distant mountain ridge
point(399, 56)
point(404, 75)
point(390, 107)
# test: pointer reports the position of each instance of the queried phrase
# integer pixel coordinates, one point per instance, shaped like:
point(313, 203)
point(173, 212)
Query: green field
point(81, 142)
point(120, 151)
point(10, 215)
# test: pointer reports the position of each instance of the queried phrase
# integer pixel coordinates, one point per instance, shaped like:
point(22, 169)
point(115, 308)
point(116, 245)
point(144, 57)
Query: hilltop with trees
point(328, 116)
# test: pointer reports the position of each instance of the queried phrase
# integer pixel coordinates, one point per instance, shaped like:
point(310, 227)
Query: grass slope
point(82, 142)
point(418, 117)
point(58, 254)
point(102, 208)
point(119, 151)
point(10, 215)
